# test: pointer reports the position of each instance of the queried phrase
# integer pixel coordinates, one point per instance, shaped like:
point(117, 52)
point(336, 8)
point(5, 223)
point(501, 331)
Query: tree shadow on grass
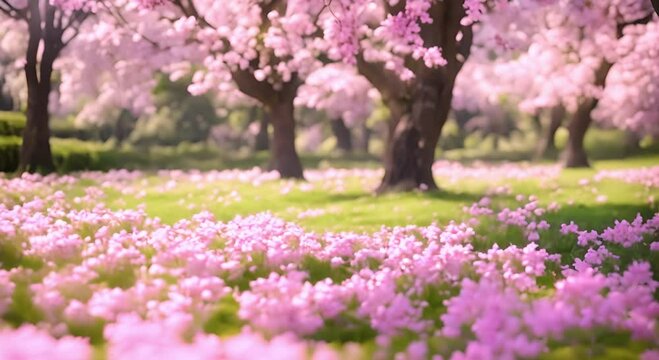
point(458, 196)
point(446, 195)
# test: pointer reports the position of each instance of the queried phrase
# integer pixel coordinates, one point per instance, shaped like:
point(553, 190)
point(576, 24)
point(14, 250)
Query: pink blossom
point(28, 342)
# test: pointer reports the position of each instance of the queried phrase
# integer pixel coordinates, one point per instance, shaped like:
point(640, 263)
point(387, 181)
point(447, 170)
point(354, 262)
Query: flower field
point(205, 265)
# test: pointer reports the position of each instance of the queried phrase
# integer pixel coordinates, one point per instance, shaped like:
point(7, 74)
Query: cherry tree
point(411, 52)
point(263, 49)
point(564, 65)
point(596, 30)
point(485, 85)
point(50, 28)
point(569, 59)
point(345, 97)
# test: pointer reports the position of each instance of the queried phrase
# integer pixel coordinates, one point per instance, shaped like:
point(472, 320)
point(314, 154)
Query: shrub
point(67, 129)
point(68, 155)
point(10, 147)
point(11, 123)
point(74, 155)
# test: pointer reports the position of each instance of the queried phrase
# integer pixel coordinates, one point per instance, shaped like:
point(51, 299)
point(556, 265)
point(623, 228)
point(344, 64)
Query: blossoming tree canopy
point(631, 97)
point(114, 63)
point(13, 37)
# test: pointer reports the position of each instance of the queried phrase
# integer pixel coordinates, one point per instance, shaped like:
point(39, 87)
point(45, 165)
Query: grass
point(357, 209)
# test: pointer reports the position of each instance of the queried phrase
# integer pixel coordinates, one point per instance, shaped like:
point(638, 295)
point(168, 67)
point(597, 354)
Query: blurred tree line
point(200, 126)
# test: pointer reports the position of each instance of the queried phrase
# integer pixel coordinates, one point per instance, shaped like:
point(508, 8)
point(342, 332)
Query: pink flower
point(28, 342)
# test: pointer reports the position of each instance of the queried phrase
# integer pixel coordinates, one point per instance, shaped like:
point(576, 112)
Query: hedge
point(68, 155)
point(11, 123)
point(10, 147)
point(66, 129)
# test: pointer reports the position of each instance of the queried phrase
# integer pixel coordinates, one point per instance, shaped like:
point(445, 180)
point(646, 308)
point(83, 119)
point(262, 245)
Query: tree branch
point(34, 27)
point(116, 14)
point(189, 9)
point(12, 11)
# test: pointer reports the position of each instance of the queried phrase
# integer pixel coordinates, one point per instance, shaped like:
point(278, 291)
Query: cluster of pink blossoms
point(143, 287)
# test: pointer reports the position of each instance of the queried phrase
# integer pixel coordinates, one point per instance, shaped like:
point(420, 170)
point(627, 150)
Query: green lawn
point(357, 209)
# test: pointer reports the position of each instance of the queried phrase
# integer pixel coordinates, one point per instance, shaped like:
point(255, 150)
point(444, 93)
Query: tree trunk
point(364, 139)
point(547, 145)
point(536, 119)
point(574, 155)
point(284, 156)
point(124, 126)
point(420, 107)
point(6, 101)
point(632, 143)
point(413, 137)
point(342, 134)
point(462, 117)
point(36, 154)
point(262, 140)
point(279, 107)
point(35, 149)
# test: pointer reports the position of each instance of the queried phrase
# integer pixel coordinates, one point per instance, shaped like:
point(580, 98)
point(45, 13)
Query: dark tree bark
point(574, 155)
point(6, 101)
point(280, 111)
point(262, 140)
point(462, 117)
point(284, 156)
point(124, 126)
point(419, 109)
point(364, 139)
point(536, 119)
point(342, 134)
point(413, 137)
point(496, 140)
point(547, 145)
point(632, 143)
point(36, 154)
